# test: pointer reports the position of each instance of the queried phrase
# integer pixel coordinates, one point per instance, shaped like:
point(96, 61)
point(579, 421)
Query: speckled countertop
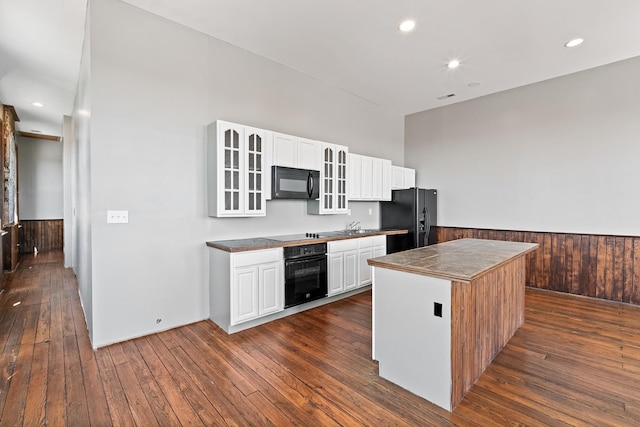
point(257, 243)
point(457, 260)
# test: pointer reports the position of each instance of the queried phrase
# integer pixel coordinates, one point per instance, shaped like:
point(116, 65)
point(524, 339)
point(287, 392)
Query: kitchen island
point(441, 313)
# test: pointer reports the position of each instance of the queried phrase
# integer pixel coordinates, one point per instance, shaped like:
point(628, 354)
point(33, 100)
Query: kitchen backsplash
point(290, 217)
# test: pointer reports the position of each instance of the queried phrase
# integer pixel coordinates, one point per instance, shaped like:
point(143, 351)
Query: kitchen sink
point(360, 231)
point(347, 232)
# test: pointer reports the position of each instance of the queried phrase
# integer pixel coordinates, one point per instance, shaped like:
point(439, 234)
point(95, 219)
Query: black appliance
point(292, 183)
point(305, 273)
point(413, 209)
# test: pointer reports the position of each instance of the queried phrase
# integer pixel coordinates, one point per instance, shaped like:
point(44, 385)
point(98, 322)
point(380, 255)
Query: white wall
point(80, 182)
point(40, 193)
point(68, 142)
point(155, 86)
point(556, 156)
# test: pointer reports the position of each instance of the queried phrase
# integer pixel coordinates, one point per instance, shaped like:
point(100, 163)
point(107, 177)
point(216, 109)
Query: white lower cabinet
point(350, 270)
point(256, 291)
point(364, 276)
point(245, 285)
point(347, 262)
point(244, 294)
point(271, 288)
point(380, 249)
point(369, 247)
point(258, 284)
point(342, 266)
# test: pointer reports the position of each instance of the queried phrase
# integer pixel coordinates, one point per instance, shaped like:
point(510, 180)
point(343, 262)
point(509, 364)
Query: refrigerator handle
point(428, 230)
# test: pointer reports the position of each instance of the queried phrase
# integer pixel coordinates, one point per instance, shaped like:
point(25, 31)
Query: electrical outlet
point(370, 211)
point(117, 217)
point(437, 309)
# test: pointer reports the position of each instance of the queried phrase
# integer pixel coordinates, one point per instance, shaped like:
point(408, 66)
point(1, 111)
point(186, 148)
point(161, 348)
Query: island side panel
point(485, 315)
point(412, 345)
point(220, 288)
point(463, 340)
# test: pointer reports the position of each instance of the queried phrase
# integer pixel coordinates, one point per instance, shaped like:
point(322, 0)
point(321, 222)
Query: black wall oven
point(305, 273)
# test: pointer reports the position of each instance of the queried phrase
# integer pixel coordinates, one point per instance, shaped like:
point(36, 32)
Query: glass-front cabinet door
point(333, 178)
point(231, 136)
point(255, 188)
point(341, 179)
point(328, 179)
point(236, 170)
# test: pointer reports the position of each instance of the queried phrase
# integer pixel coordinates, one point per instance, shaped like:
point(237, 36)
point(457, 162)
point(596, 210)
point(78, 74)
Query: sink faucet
point(355, 225)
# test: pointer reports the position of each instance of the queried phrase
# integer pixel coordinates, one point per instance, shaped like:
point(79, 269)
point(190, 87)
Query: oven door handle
point(292, 263)
point(305, 258)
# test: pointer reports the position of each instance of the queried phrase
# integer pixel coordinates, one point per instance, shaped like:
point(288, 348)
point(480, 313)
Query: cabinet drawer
point(256, 257)
point(368, 242)
point(365, 242)
point(342, 245)
point(379, 240)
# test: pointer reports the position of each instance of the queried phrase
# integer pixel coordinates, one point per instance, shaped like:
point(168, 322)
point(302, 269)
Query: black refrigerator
point(413, 209)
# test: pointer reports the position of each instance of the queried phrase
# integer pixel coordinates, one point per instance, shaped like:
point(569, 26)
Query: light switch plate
point(117, 217)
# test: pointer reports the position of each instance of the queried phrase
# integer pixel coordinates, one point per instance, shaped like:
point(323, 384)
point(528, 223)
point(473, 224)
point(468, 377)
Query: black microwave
point(292, 183)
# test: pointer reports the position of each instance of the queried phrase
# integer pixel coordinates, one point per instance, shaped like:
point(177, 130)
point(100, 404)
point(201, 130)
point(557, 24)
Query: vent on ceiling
point(451, 95)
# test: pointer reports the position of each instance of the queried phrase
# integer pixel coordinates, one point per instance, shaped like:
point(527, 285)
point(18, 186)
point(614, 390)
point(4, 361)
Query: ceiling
point(352, 45)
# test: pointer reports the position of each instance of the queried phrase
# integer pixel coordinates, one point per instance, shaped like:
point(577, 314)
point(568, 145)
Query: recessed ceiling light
point(574, 42)
point(474, 84)
point(37, 104)
point(408, 25)
point(453, 64)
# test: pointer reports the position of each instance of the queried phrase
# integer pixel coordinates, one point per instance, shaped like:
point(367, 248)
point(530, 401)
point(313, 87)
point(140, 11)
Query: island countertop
point(458, 260)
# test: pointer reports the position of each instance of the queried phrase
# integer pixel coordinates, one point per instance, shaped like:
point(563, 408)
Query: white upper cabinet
point(386, 180)
point(402, 178)
point(333, 182)
point(236, 181)
point(366, 190)
point(309, 154)
point(295, 152)
point(354, 162)
point(409, 177)
point(284, 150)
point(369, 178)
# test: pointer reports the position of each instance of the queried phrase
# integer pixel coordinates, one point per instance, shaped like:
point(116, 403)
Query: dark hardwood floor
point(575, 361)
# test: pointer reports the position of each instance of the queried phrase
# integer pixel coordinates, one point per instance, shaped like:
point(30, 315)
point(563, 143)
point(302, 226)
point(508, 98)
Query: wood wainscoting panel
point(598, 266)
point(44, 234)
point(10, 247)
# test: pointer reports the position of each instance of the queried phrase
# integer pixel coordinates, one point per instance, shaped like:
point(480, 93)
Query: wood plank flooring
point(575, 362)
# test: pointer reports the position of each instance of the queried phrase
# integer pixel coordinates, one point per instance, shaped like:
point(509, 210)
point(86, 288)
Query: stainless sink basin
point(361, 231)
point(347, 232)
